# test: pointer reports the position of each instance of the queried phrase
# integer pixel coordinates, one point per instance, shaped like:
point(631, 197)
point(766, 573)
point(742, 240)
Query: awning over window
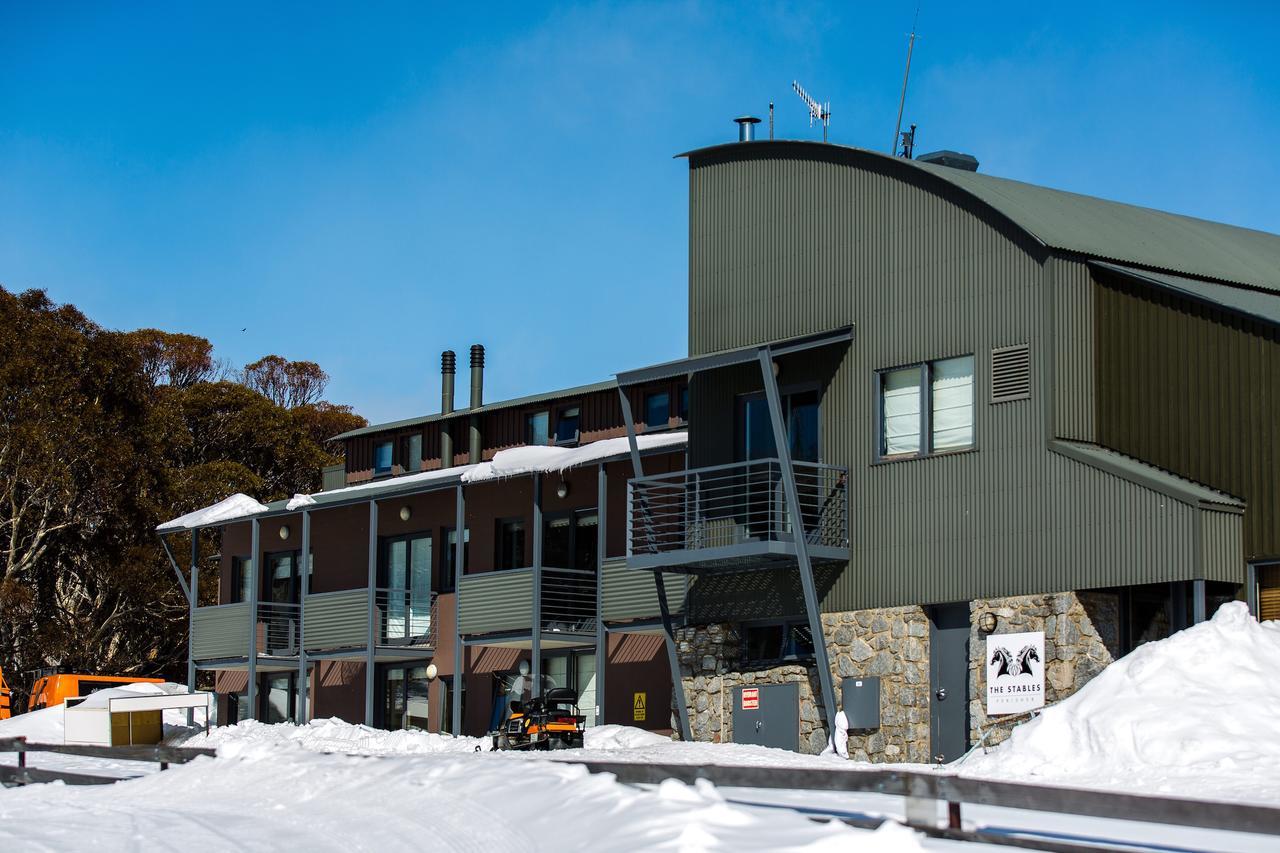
point(727, 358)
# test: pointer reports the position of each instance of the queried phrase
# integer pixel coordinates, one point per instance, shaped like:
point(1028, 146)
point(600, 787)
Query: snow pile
point(267, 790)
point(1192, 715)
point(622, 737)
point(237, 506)
point(538, 459)
point(298, 501)
point(332, 735)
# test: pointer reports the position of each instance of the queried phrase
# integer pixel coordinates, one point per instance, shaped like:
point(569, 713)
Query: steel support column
point(783, 450)
point(536, 630)
point(1197, 601)
point(193, 598)
point(302, 715)
point(252, 693)
point(370, 644)
point(459, 555)
point(668, 629)
point(602, 541)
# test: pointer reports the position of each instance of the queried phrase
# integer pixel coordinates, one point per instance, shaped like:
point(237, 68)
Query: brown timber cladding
point(1195, 390)
point(784, 241)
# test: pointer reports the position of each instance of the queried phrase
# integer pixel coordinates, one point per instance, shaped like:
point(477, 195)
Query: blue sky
point(366, 187)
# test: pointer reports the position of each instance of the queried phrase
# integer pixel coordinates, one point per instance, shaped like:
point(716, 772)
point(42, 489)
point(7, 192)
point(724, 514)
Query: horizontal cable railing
point(728, 505)
point(405, 616)
point(278, 628)
point(568, 600)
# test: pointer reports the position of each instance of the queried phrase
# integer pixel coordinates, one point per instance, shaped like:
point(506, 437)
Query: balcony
point(502, 602)
point(735, 517)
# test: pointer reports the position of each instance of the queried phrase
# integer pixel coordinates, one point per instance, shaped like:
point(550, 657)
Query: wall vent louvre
point(1011, 373)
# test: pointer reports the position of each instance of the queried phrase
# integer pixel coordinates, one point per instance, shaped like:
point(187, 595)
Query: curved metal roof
point(1067, 221)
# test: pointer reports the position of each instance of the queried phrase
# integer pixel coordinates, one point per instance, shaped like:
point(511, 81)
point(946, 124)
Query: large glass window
point(411, 453)
point(510, 544)
point(282, 583)
point(567, 423)
point(449, 559)
point(657, 410)
point(241, 578)
point(683, 407)
point(404, 579)
point(537, 426)
point(783, 640)
point(800, 411)
point(927, 408)
point(569, 540)
point(404, 697)
point(382, 457)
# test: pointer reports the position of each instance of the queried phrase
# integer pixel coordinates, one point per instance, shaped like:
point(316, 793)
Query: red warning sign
point(750, 698)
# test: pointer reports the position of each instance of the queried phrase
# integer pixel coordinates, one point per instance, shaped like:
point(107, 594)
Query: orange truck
point(52, 689)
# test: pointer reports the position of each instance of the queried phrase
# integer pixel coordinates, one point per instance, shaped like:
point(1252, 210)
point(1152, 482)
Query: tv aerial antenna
point(902, 99)
point(817, 111)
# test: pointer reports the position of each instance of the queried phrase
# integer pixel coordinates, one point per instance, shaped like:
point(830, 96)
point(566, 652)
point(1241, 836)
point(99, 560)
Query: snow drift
point(1193, 715)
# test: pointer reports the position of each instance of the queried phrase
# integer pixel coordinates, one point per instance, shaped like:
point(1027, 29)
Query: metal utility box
point(860, 701)
point(767, 715)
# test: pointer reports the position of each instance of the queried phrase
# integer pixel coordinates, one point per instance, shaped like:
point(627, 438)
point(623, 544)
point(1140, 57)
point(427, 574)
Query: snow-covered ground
point(1192, 716)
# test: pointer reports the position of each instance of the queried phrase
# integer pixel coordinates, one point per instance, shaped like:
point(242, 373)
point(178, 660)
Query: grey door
point(948, 681)
point(769, 717)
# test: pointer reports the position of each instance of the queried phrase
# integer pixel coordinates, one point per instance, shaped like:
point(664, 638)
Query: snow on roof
point(512, 462)
point(518, 461)
point(237, 506)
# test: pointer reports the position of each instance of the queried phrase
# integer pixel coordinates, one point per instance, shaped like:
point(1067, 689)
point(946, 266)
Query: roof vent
point(950, 159)
point(747, 128)
point(1010, 373)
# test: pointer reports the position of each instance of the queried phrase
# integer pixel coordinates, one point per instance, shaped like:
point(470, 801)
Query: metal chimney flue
point(448, 367)
point(747, 128)
point(477, 399)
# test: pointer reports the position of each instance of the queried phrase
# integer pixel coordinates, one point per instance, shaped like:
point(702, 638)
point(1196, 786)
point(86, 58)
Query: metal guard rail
point(278, 628)
point(568, 600)
point(24, 775)
point(405, 616)
point(724, 505)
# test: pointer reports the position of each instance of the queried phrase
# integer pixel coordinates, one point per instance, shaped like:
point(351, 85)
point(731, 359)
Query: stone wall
point(1080, 630)
point(891, 643)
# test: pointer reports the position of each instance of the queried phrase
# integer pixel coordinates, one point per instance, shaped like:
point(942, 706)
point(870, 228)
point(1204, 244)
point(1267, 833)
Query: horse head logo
point(1025, 657)
point(1004, 658)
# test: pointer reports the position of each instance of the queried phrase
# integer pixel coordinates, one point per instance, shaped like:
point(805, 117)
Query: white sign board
point(1015, 672)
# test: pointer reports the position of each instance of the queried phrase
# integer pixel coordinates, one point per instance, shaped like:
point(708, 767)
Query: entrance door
point(767, 715)
point(404, 597)
point(948, 681)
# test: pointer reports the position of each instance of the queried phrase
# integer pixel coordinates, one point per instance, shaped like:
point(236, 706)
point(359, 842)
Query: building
point(987, 406)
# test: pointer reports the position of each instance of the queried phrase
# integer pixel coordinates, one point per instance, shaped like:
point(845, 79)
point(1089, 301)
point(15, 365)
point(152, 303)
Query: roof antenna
point(771, 119)
point(911, 43)
point(821, 112)
point(909, 142)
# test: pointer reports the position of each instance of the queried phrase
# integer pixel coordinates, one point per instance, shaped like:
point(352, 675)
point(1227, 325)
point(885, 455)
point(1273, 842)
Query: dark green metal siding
point(1194, 390)
point(785, 245)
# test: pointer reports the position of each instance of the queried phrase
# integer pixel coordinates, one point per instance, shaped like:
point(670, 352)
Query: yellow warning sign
point(637, 708)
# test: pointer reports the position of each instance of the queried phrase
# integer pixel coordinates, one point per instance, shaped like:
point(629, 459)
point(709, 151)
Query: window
point(241, 578)
point(772, 641)
point(446, 702)
point(537, 425)
point(382, 457)
point(411, 453)
point(449, 559)
point(926, 408)
point(282, 583)
point(510, 545)
point(567, 425)
point(404, 697)
point(657, 410)
point(279, 697)
point(683, 411)
point(800, 409)
point(404, 581)
point(1268, 592)
point(569, 540)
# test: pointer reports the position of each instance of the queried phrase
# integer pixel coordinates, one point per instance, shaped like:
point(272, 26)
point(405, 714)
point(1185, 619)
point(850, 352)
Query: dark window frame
point(682, 404)
point(266, 575)
point(788, 625)
point(529, 415)
point(572, 515)
point(238, 581)
point(499, 542)
point(649, 394)
point(391, 458)
point(926, 450)
point(408, 464)
point(384, 552)
point(383, 680)
point(785, 394)
point(447, 552)
point(554, 430)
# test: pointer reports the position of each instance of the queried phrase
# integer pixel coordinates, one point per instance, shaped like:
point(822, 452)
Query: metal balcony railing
point(568, 600)
point(725, 506)
point(405, 616)
point(278, 628)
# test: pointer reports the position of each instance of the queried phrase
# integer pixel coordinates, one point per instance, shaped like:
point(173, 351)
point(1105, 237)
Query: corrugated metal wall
point(1071, 288)
point(1194, 390)
point(631, 594)
point(495, 601)
point(336, 620)
point(221, 632)
point(783, 244)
